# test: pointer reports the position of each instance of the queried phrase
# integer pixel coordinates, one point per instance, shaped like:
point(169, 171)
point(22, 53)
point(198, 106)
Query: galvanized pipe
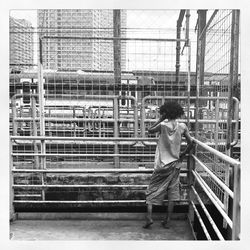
point(210, 219)
point(188, 44)
point(116, 38)
point(212, 198)
point(201, 221)
point(236, 204)
point(214, 177)
point(79, 186)
point(178, 45)
point(86, 170)
point(82, 155)
point(222, 156)
point(41, 108)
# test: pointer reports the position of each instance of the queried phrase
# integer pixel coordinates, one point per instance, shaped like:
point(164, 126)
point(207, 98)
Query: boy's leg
point(173, 194)
point(170, 210)
point(149, 220)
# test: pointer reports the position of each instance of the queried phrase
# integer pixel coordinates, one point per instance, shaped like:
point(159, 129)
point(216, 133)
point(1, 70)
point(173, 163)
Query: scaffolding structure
point(100, 77)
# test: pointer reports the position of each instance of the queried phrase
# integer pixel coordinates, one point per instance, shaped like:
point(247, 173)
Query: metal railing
point(30, 184)
point(211, 119)
point(210, 175)
point(209, 169)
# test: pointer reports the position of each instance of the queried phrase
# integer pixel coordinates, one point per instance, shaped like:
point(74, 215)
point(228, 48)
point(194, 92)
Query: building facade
point(78, 50)
point(21, 42)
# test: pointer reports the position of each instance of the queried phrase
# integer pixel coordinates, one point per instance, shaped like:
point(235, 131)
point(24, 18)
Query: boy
point(168, 158)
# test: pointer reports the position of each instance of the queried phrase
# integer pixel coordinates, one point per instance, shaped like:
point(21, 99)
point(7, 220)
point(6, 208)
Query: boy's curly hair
point(171, 110)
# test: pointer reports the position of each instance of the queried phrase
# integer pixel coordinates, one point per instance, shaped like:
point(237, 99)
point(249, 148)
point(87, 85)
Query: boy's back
point(169, 144)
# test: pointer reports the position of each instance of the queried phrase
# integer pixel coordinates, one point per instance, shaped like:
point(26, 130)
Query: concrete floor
point(33, 230)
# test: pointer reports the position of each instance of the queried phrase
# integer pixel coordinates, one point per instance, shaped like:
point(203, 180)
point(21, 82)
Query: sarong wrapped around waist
point(164, 181)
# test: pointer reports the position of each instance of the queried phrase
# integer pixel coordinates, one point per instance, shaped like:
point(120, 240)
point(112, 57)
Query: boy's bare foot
point(166, 223)
point(148, 223)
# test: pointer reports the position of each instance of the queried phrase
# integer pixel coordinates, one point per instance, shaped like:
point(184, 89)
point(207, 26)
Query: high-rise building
point(21, 41)
point(78, 50)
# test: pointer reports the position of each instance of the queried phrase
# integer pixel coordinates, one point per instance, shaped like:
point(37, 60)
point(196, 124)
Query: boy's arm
point(189, 144)
point(156, 127)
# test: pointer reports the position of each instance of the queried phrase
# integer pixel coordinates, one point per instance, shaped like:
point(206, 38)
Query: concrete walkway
point(33, 230)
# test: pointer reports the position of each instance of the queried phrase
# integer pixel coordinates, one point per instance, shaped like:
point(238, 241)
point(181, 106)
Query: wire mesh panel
point(85, 99)
point(214, 75)
point(87, 94)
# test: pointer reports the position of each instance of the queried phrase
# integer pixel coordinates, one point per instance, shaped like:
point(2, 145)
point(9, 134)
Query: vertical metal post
point(41, 109)
point(234, 57)
point(117, 74)
point(191, 167)
point(200, 59)
point(236, 204)
point(136, 118)
point(217, 117)
point(143, 117)
point(34, 128)
point(178, 46)
point(233, 79)
point(188, 44)
point(14, 123)
point(11, 198)
point(117, 46)
point(116, 131)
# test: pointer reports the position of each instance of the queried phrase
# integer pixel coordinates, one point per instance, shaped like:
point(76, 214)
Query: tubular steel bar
point(214, 177)
point(79, 186)
point(87, 155)
point(11, 181)
point(116, 132)
point(208, 190)
point(41, 107)
point(116, 38)
point(48, 138)
point(189, 65)
point(236, 205)
point(234, 58)
point(222, 156)
point(104, 170)
point(210, 219)
point(212, 198)
point(85, 202)
point(208, 24)
point(112, 120)
point(201, 221)
point(178, 46)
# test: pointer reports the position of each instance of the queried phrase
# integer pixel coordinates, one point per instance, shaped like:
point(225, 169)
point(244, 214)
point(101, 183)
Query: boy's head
point(171, 110)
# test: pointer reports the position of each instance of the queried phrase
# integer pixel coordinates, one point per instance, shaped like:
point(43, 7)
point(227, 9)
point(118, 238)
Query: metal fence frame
point(234, 222)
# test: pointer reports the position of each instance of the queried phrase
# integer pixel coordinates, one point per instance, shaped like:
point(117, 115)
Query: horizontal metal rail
point(208, 189)
point(213, 199)
point(116, 38)
point(87, 201)
point(193, 120)
point(214, 177)
point(82, 155)
point(220, 155)
point(201, 221)
point(78, 186)
point(42, 138)
point(27, 195)
point(112, 170)
point(65, 119)
point(140, 170)
point(210, 219)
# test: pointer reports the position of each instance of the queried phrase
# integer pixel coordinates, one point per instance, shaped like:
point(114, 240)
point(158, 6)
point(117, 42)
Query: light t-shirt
point(169, 143)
